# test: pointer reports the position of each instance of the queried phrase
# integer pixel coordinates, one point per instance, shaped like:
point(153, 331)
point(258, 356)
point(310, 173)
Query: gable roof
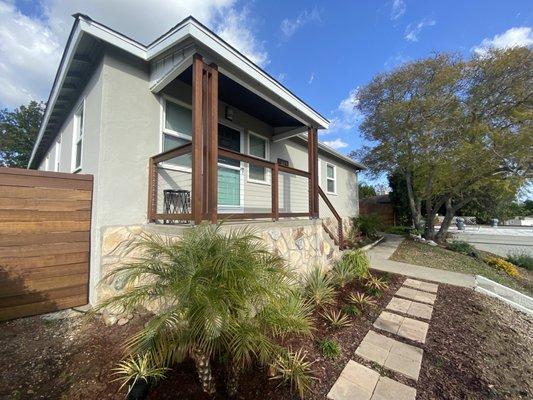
point(188, 28)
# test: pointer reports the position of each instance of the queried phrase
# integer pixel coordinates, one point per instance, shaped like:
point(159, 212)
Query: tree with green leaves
point(18, 132)
point(452, 128)
point(366, 190)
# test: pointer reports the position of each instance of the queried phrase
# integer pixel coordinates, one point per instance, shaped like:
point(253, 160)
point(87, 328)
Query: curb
point(373, 244)
point(520, 301)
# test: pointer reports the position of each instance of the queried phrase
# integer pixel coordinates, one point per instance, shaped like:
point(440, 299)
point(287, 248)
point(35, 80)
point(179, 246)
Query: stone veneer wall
point(303, 243)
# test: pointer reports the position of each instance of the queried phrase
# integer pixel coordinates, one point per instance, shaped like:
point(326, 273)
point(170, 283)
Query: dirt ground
point(477, 348)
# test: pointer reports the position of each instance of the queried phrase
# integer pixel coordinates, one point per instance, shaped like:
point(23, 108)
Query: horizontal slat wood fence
point(45, 224)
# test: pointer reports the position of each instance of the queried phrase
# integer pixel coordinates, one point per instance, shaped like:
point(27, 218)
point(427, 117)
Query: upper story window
point(79, 126)
point(258, 147)
point(331, 178)
point(177, 130)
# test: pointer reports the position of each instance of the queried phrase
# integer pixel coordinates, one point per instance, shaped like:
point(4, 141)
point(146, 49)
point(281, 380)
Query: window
point(331, 179)
point(58, 154)
point(177, 131)
point(78, 137)
point(257, 147)
point(47, 162)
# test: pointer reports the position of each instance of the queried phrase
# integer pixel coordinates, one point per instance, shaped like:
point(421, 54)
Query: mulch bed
point(477, 348)
point(183, 381)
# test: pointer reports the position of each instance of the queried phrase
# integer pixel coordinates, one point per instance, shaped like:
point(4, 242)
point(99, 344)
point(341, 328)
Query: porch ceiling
point(238, 96)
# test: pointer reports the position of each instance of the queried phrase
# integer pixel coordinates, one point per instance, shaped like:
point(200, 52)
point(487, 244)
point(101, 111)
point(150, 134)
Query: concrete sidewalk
point(379, 260)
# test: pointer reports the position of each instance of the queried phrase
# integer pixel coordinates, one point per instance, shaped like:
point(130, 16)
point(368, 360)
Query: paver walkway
point(379, 260)
point(358, 382)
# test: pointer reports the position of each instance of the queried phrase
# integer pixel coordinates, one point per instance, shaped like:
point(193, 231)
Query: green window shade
point(229, 187)
point(171, 142)
point(178, 118)
point(331, 185)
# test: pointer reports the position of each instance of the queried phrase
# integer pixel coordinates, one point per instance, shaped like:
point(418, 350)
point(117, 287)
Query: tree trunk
point(232, 380)
point(414, 204)
point(450, 213)
point(203, 367)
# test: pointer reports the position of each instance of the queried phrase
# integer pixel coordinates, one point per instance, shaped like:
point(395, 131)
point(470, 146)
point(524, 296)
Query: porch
point(208, 176)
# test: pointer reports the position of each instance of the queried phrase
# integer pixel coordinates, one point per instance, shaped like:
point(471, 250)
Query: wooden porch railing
point(274, 168)
point(340, 233)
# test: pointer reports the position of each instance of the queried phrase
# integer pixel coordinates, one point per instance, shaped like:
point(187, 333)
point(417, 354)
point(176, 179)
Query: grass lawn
point(438, 257)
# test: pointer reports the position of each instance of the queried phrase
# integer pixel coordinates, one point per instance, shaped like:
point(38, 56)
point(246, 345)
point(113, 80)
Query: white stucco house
point(187, 129)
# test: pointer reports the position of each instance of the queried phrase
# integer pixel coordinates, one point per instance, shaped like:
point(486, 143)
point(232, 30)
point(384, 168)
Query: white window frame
point(58, 153)
point(334, 179)
point(267, 180)
point(165, 131)
point(77, 137)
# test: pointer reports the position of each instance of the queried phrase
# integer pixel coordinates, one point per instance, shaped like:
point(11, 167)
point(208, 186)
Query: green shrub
point(462, 247)
point(221, 295)
point(351, 309)
point(522, 260)
point(293, 368)
point(329, 348)
point(398, 230)
point(368, 225)
point(358, 262)
point(319, 286)
point(343, 272)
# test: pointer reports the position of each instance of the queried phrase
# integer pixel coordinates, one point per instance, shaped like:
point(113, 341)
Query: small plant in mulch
point(351, 309)
point(462, 247)
point(337, 318)
point(499, 263)
point(319, 287)
point(361, 300)
point(293, 368)
point(522, 260)
point(376, 283)
point(329, 348)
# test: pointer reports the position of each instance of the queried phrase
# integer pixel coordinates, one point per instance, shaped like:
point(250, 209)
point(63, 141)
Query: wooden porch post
point(212, 164)
point(197, 136)
point(312, 155)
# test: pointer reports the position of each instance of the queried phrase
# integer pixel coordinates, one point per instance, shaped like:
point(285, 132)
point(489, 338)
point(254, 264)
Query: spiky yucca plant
point(319, 286)
point(361, 300)
point(221, 294)
point(337, 318)
point(295, 369)
point(376, 283)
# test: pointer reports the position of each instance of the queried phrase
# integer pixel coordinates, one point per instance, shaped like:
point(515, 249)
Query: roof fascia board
point(114, 38)
point(63, 68)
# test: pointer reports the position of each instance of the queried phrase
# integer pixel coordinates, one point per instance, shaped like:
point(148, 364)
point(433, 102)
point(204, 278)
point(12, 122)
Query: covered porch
point(217, 169)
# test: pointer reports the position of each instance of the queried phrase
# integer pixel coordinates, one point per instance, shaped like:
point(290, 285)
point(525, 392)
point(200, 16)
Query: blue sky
point(323, 50)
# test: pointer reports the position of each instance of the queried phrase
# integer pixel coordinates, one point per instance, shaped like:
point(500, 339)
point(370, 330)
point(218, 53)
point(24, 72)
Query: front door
point(230, 180)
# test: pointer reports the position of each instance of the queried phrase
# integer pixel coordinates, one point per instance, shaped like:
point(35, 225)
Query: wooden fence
point(45, 223)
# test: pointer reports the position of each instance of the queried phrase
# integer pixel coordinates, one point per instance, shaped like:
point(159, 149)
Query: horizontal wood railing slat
point(172, 153)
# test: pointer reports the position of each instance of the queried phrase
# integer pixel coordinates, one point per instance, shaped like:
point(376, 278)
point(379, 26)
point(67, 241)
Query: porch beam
point(287, 132)
point(197, 145)
point(212, 151)
point(312, 157)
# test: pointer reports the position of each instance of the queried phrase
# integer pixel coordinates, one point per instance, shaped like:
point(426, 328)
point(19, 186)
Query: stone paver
point(388, 389)
point(425, 286)
point(358, 382)
point(392, 354)
point(416, 295)
point(409, 307)
point(402, 326)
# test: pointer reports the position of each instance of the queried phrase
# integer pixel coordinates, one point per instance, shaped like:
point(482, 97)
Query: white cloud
point(413, 30)
point(311, 78)
point(398, 9)
point(235, 30)
point(513, 37)
point(336, 144)
point(345, 116)
point(282, 76)
point(31, 47)
point(290, 26)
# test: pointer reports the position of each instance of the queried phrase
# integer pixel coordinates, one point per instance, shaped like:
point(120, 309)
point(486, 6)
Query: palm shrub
point(319, 286)
point(221, 295)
